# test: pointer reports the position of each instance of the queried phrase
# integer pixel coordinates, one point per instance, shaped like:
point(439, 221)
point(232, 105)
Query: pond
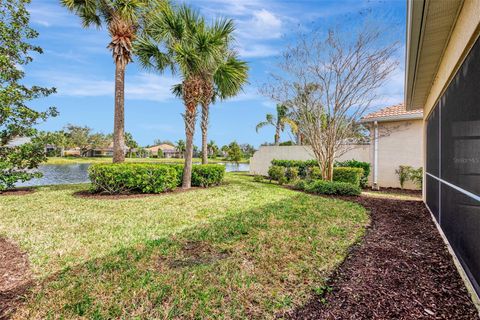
point(78, 173)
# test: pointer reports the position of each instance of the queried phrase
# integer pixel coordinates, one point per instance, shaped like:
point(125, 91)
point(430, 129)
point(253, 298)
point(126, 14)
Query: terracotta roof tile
point(392, 112)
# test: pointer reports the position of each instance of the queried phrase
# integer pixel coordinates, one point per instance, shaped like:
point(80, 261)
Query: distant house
point(395, 140)
point(168, 150)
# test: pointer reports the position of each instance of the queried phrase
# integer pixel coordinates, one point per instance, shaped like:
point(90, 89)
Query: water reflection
point(78, 173)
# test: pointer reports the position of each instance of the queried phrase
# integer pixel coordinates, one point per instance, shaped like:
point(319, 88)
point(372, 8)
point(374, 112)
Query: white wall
point(261, 160)
point(399, 143)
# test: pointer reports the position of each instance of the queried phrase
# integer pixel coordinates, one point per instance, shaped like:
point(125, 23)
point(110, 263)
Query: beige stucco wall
point(260, 162)
point(399, 143)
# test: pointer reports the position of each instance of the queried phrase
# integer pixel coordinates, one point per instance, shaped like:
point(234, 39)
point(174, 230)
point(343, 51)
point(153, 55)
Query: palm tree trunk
point(277, 135)
point(204, 126)
point(189, 117)
point(119, 117)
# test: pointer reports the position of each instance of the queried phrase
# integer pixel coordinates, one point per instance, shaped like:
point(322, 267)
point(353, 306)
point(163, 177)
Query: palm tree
point(212, 149)
point(122, 19)
point(181, 40)
point(279, 122)
point(181, 147)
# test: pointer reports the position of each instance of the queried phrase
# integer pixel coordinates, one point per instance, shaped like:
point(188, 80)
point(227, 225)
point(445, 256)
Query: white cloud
point(49, 13)
point(257, 51)
point(139, 87)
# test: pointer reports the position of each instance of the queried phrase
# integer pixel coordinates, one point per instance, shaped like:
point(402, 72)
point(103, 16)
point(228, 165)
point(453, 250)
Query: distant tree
point(248, 150)
point(160, 153)
point(84, 139)
point(279, 121)
point(157, 142)
point(234, 153)
point(16, 118)
point(180, 146)
point(58, 139)
point(212, 149)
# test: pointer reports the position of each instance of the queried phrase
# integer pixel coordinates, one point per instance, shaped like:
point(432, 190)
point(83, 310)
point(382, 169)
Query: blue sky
point(77, 63)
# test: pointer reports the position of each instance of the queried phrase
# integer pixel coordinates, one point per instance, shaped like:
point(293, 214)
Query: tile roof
point(393, 113)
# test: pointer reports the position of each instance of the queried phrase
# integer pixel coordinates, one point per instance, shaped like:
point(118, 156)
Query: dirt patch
point(15, 276)
point(401, 270)
point(17, 192)
point(197, 253)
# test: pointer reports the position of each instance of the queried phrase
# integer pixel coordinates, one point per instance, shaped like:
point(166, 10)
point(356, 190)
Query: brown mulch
point(397, 191)
point(17, 192)
point(15, 276)
point(400, 270)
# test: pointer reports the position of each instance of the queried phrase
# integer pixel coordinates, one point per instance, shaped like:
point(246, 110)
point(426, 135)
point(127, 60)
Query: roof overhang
point(429, 25)
point(403, 117)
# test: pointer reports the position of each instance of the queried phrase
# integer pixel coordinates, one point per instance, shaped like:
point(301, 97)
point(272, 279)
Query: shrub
point(276, 173)
point(314, 173)
point(349, 175)
point(207, 175)
point(416, 176)
point(332, 188)
point(115, 178)
point(357, 164)
point(291, 173)
point(403, 173)
point(300, 185)
point(257, 178)
point(408, 173)
point(303, 166)
point(203, 175)
point(120, 178)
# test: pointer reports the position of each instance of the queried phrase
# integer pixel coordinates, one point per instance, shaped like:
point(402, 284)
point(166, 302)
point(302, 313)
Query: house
point(443, 79)
point(395, 140)
point(168, 150)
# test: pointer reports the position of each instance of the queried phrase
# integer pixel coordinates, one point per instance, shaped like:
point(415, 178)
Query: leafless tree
point(329, 82)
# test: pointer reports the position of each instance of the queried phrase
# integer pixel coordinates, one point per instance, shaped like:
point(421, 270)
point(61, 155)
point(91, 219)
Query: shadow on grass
point(255, 263)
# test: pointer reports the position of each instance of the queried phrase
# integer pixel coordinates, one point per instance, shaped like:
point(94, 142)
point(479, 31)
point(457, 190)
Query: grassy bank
point(77, 160)
point(241, 250)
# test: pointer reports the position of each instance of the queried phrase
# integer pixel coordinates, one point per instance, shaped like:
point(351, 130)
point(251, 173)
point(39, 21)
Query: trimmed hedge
point(349, 175)
point(303, 166)
point(276, 173)
point(357, 164)
point(331, 188)
point(120, 178)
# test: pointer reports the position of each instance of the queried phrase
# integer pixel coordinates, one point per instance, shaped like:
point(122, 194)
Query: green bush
point(332, 188)
point(349, 175)
point(357, 164)
point(300, 185)
point(303, 166)
point(119, 178)
point(203, 175)
point(276, 173)
point(207, 175)
point(314, 173)
point(257, 178)
point(291, 173)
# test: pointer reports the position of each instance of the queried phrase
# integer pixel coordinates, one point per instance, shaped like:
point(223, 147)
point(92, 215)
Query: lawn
point(241, 250)
point(76, 160)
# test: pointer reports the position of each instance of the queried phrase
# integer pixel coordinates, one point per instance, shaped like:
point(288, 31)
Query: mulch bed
point(400, 270)
point(15, 276)
point(105, 196)
point(397, 191)
point(17, 192)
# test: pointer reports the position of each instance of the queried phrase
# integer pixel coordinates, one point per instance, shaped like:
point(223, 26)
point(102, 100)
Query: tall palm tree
point(226, 81)
point(181, 41)
point(122, 19)
point(279, 121)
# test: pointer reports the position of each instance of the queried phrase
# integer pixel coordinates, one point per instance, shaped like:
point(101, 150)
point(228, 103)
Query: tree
point(84, 139)
point(328, 84)
point(181, 41)
point(130, 143)
point(234, 153)
point(181, 147)
point(247, 149)
point(16, 118)
point(157, 142)
point(212, 149)
point(59, 139)
point(122, 19)
point(279, 121)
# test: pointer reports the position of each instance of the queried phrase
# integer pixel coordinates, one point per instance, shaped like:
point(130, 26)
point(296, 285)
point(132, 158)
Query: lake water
point(78, 173)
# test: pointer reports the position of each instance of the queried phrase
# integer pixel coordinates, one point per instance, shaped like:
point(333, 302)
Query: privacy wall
point(453, 164)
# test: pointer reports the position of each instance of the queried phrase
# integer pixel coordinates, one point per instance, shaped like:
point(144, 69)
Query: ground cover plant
point(241, 250)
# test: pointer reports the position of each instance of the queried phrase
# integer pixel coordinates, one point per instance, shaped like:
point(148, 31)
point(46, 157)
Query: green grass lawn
point(241, 250)
point(75, 160)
